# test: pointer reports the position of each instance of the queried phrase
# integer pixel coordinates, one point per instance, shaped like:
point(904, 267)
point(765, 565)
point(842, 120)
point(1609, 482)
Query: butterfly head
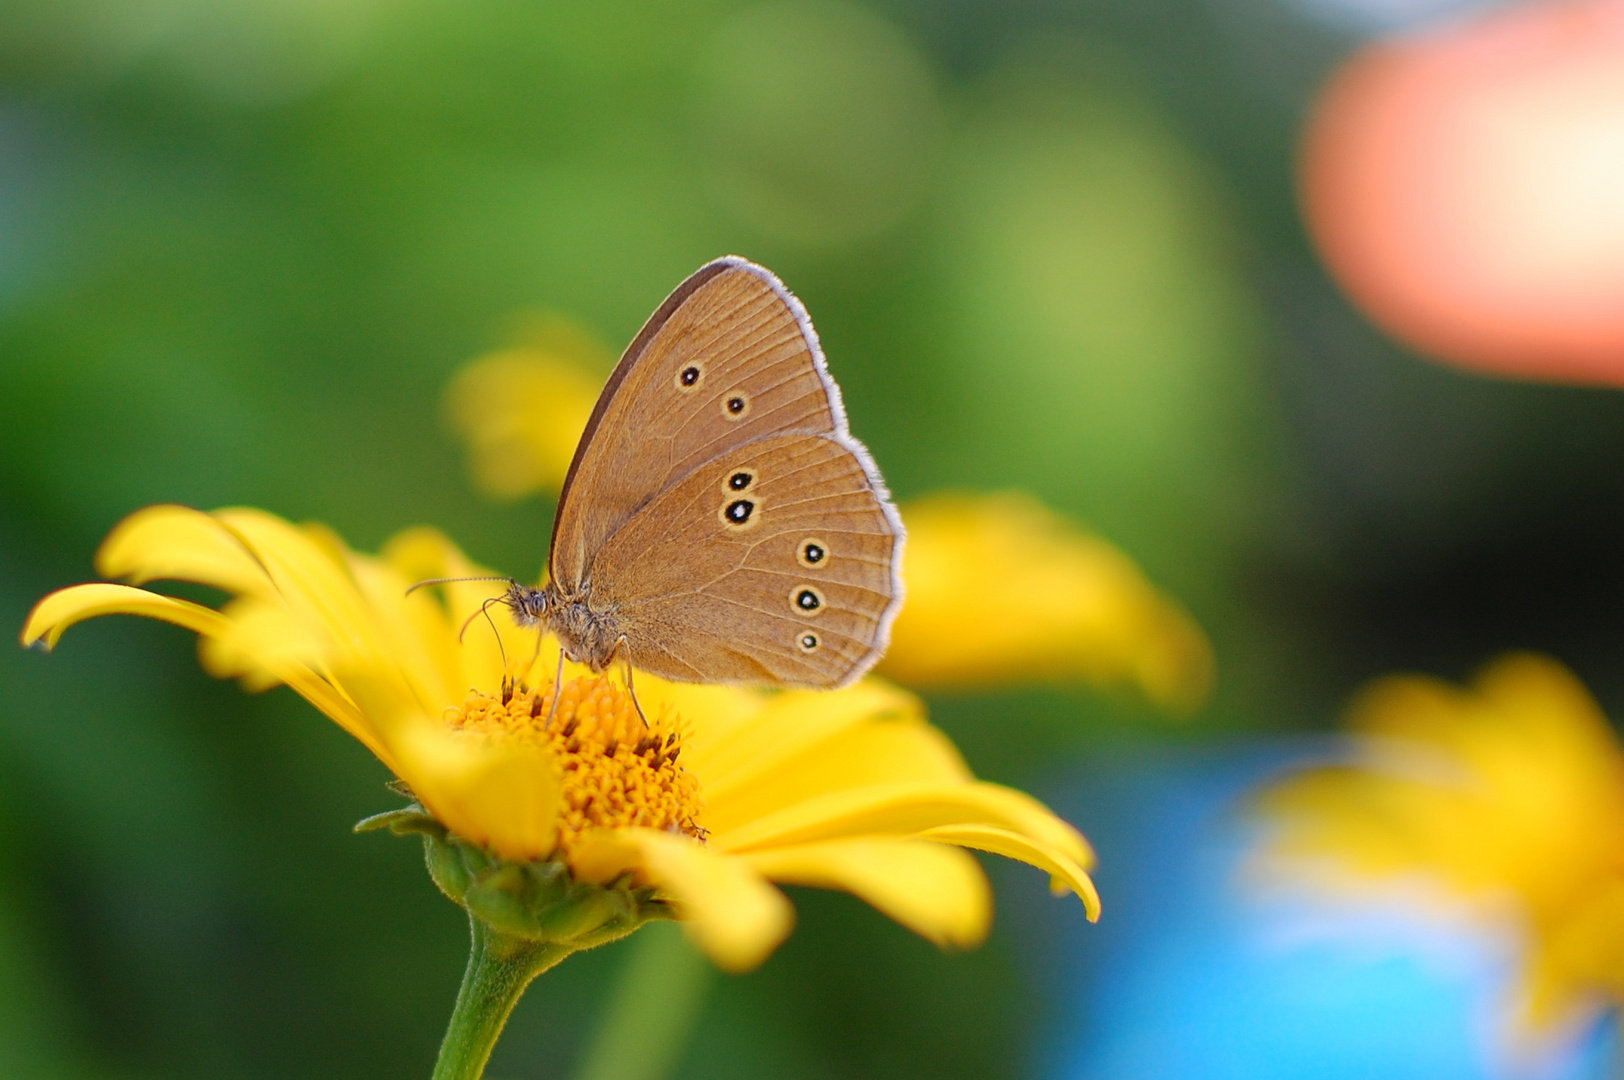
point(529, 605)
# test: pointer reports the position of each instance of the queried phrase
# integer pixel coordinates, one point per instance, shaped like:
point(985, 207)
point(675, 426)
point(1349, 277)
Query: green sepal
point(402, 822)
point(537, 900)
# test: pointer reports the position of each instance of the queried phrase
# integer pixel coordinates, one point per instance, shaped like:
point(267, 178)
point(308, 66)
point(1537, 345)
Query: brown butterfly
point(719, 523)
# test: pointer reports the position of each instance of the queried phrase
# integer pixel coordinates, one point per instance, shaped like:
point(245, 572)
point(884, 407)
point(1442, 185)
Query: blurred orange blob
point(1466, 187)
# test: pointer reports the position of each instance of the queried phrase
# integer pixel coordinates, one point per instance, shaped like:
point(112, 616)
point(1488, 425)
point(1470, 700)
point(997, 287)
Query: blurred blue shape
point(1189, 975)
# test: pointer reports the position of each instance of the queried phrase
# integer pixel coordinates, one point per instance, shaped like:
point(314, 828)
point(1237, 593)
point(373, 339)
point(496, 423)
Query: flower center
point(617, 771)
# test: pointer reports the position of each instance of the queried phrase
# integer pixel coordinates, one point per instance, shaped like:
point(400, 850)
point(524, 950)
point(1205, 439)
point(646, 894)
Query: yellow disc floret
point(617, 770)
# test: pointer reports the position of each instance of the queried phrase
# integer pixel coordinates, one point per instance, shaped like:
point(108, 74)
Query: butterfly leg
point(530, 669)
point(626, 658)
point(558, 683)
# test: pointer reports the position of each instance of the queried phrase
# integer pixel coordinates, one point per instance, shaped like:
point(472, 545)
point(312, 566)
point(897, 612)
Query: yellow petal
point(905, 810)
point(521, 413)
point(260, 641)
point(1065, 874)
point(61, 609)
point(180, 543)
point(787, 725)
point(415, 631)
point(1505, 795)
point(314, 585)
point(1069, 606)
point(727, 907)
point(500, 793)
point(504, 793)
point(938, 892)
point(887, 750)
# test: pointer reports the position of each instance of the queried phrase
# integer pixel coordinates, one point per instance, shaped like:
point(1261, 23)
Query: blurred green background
point(1049, 244)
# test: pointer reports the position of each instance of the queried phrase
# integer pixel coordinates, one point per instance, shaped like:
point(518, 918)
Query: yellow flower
point(1067, 605)
point(727, 789)
point(522, 410)
point(1508, 795)
point(1001, 589)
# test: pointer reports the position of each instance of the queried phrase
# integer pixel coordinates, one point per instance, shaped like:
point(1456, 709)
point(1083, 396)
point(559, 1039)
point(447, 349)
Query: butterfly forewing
point(772, 563)
point(729, 358)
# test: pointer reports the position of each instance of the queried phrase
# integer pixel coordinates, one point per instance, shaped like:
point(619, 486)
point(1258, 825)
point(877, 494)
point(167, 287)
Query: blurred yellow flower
point(1067, 604)
point(728, 789)
point(1001, 589)
point(520, 411)
point(1508, 796)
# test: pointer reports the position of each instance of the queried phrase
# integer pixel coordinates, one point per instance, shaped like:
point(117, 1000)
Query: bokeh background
point(1050, 245)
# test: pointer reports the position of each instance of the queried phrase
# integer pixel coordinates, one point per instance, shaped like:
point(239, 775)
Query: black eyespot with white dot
point(811, 553)
point(736, 406)
point(689, 377)
point(740, 480)
point(738, 511)
point(807, 642)
point(806, 600)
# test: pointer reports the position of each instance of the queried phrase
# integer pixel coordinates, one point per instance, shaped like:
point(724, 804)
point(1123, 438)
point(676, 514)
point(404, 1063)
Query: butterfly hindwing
point(774, 562)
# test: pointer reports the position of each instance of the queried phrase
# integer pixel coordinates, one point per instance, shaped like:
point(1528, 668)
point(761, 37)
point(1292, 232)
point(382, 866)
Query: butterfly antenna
point(453, 580)
point(485, 610)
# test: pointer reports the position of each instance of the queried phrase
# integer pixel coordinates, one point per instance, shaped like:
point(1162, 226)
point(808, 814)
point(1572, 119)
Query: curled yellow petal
point(882, 751)
point(905, 810)
point(786, 725)
point(521, 411)
point(1064, 873)
point(936, 891)
point(53, 615)
point(180, 543)
point(1000, 589)
point(729, 909)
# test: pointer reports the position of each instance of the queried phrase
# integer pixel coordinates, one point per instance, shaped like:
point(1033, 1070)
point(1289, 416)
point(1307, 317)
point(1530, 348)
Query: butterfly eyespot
point(807, 642)
point(736, 407)
point(740, 480)
point(812, 553)
point(738, 513)
point(688, 377)
point(806, 600)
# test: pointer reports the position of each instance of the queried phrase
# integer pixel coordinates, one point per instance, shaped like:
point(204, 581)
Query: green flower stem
point(523, 918)
point(499, 968)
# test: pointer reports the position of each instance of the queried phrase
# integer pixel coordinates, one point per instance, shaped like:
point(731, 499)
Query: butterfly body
point(589, 636)
point(719, 523)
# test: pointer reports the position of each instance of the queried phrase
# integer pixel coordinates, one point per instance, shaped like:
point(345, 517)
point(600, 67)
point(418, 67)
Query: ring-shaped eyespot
point(739, 480)
point(812, 553)
point(736, 405)
point(689, 376)
point(740, 514)
point(807, 642)
point(806, 600)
